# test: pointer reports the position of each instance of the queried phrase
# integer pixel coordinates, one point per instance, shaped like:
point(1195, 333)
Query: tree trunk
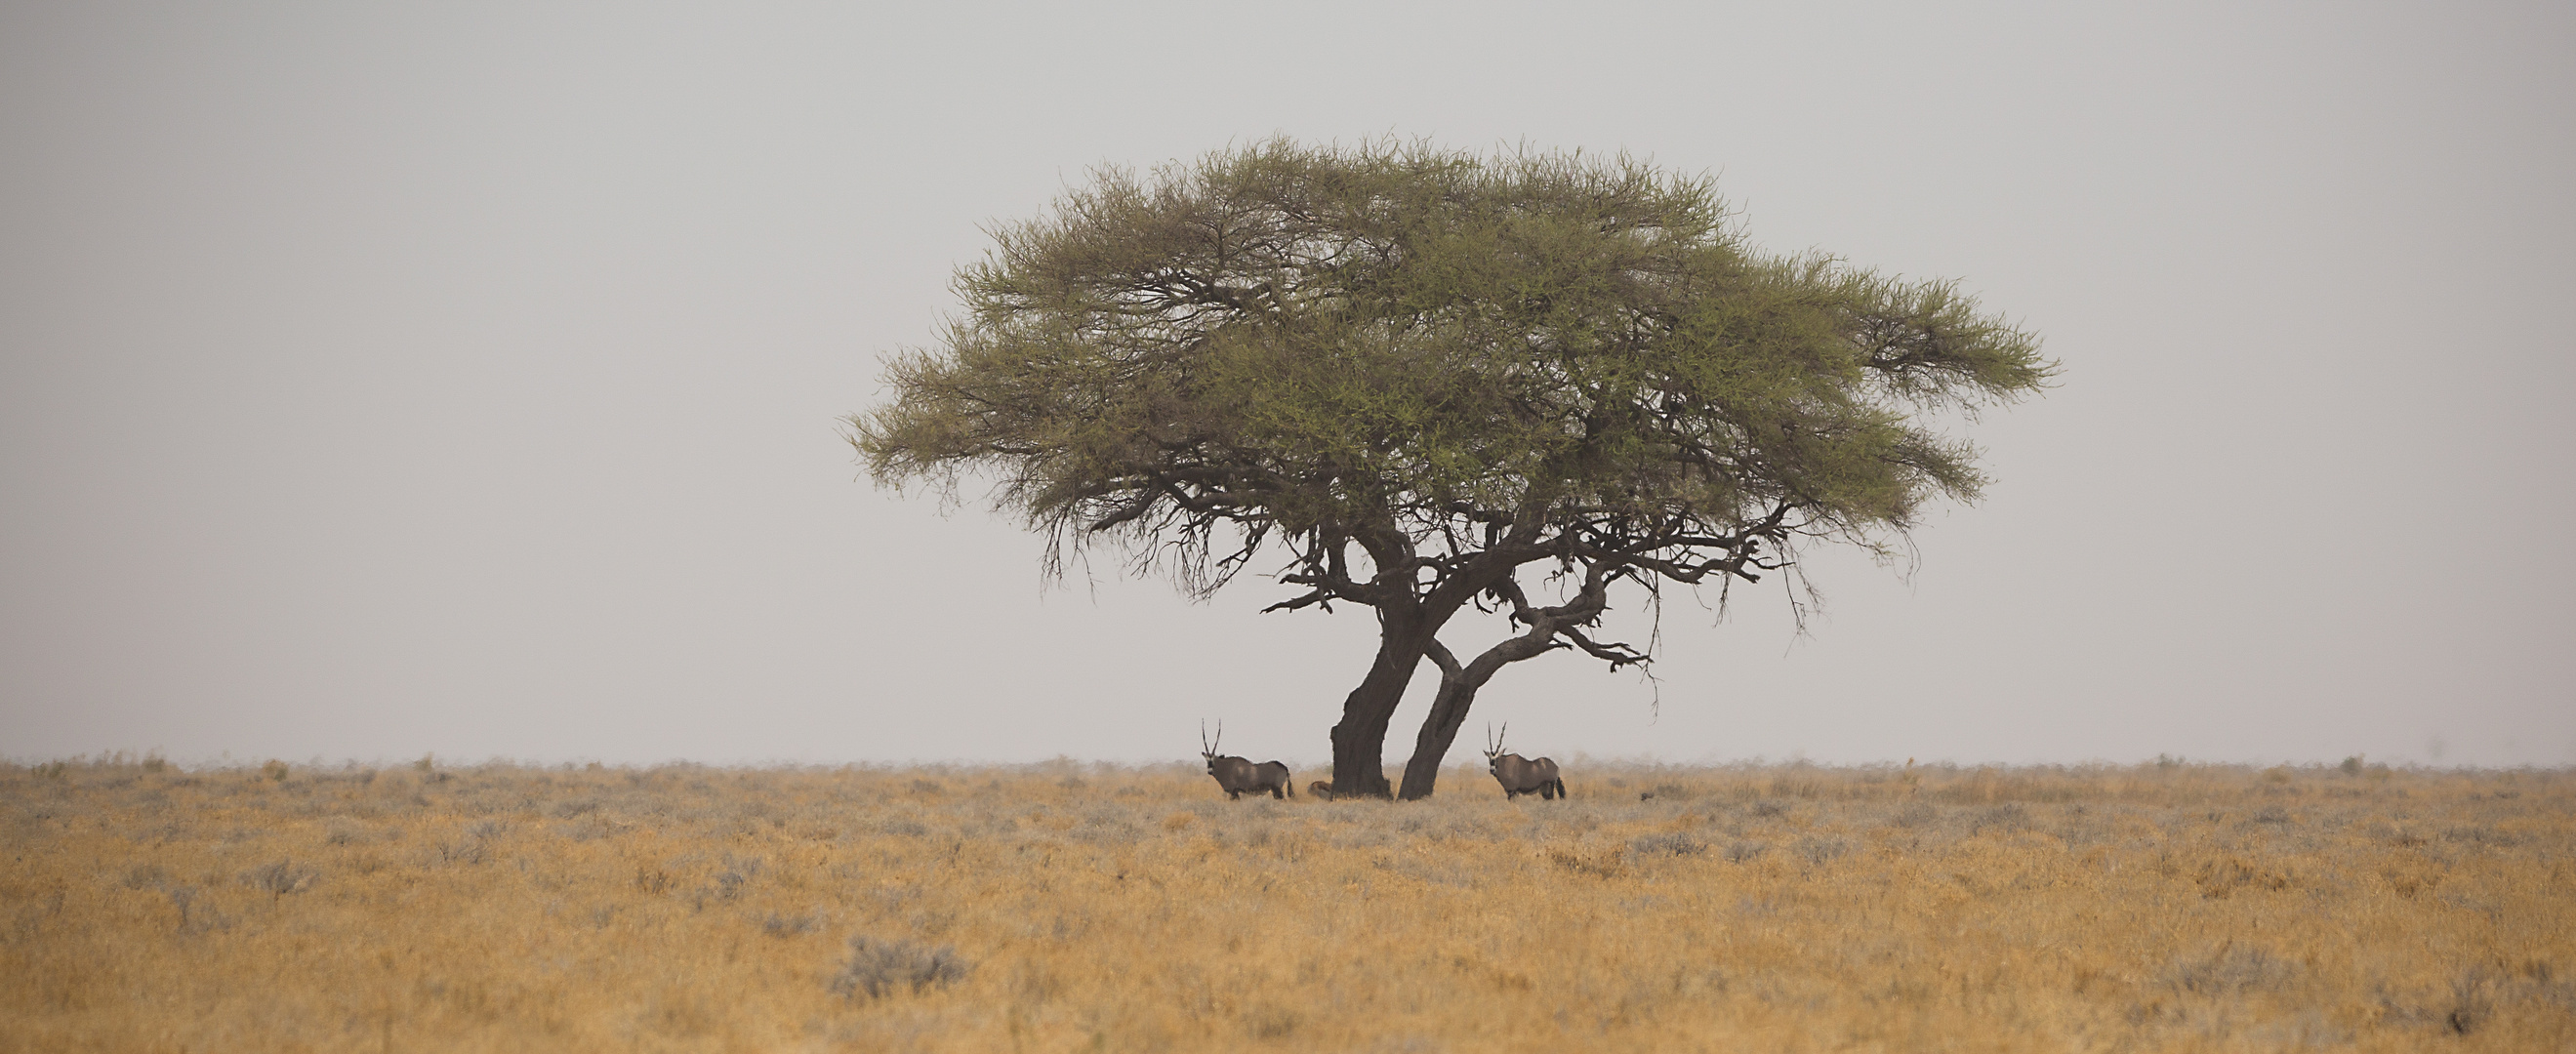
point(1405, 635)
point(1359, 741)
point(1459, 684)
point(1448, 712)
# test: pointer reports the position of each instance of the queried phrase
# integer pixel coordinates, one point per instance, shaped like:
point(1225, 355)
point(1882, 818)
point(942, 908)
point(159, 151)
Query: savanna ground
point(1070, 907)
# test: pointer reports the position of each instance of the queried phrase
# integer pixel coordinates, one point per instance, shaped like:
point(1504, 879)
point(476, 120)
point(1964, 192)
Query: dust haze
point(464, 379)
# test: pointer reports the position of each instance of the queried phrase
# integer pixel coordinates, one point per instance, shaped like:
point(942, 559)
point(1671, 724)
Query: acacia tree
point(1411, 375)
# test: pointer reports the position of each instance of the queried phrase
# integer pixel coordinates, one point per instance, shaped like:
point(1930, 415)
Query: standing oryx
point(1517, 774)
point(1238, 775)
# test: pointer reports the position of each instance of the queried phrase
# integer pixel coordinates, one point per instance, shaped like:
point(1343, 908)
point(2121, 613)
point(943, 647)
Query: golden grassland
point(1073, 907)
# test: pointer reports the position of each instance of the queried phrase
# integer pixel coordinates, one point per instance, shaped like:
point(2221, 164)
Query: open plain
point(1072, 907)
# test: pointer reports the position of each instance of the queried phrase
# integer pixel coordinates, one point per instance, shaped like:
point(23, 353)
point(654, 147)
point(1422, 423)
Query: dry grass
point(1069, 907)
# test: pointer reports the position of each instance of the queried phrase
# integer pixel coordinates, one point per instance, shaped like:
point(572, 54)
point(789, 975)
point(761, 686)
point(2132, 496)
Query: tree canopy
point(1405, 374)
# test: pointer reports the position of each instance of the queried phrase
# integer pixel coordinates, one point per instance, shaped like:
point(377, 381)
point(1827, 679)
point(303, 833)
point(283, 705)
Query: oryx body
point(1520, 775)
point(1237, 775)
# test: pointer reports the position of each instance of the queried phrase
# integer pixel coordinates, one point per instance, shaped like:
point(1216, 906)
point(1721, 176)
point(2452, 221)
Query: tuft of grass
point(1818, 851)
point(1675, 844)
point(777, 925)
point(280, 878)
point(737, 874)
point(2472, 1001)
point(2007, 818)
point(1598, 865)
point(878, 968)
point(2231, 970)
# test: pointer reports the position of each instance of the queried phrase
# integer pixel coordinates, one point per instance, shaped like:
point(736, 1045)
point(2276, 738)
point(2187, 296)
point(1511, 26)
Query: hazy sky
point(464, 378)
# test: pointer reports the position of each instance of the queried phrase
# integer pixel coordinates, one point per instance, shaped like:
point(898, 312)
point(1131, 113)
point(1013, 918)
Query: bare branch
point(1618, 655)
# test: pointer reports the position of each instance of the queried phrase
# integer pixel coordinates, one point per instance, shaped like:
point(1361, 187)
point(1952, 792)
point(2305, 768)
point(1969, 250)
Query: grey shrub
point(2009, 816)
point(1819, 850)
point(280, 878)
point(2231, 970)
point(879, 968)
point(1675, 844)
point(777, 925)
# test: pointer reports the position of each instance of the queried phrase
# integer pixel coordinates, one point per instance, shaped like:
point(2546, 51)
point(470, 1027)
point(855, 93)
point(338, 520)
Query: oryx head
point(1494, 746)
point(1207, 749)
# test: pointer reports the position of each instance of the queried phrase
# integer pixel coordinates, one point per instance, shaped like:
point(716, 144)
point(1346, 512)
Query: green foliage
point(1419, 348)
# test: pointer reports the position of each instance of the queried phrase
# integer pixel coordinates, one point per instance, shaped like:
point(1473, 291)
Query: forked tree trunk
point(1405, 635)
point(1458, 687)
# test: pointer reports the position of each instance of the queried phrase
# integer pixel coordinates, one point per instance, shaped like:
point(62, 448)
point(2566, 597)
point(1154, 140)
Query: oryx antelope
point(1517, 774)
point(1238, 775)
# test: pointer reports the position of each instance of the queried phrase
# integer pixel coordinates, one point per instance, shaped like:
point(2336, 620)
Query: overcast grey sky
point(464, 378)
